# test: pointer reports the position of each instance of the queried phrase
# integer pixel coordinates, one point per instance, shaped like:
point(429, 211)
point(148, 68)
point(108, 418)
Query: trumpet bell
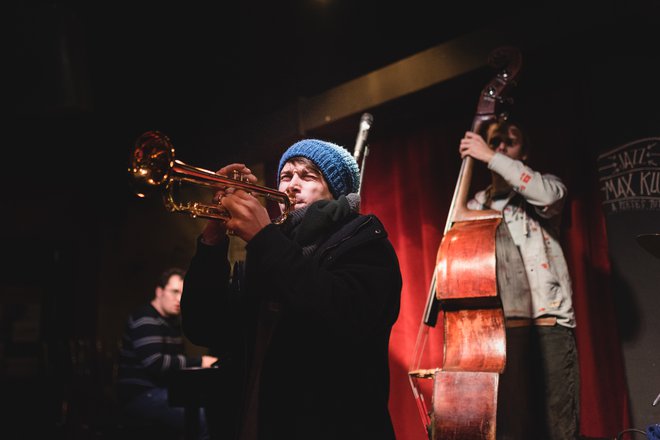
point(151, 163)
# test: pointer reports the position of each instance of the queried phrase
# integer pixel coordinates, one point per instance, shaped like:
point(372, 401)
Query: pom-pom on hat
point(338, 166)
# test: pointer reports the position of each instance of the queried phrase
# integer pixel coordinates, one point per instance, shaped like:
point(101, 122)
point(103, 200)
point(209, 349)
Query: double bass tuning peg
point(491, 93)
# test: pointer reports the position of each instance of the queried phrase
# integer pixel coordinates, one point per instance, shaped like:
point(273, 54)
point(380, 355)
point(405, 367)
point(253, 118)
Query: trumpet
point(154, 168)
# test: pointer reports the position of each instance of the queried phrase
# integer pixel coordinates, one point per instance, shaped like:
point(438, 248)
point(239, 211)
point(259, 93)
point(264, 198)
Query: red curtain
point(409, 181)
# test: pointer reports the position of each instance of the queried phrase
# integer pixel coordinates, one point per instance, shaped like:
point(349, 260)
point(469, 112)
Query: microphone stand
point(361, 150)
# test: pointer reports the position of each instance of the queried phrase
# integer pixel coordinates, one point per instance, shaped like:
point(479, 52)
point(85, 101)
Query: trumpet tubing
point(153, 168)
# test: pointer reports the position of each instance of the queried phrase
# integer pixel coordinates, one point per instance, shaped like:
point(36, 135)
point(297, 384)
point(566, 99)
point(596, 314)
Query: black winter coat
point(325, 372)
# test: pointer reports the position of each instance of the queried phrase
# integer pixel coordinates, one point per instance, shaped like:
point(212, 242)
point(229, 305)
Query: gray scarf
point(307, 226)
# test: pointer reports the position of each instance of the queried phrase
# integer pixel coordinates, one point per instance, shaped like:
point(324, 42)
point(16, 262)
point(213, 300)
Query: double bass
point(463, 387)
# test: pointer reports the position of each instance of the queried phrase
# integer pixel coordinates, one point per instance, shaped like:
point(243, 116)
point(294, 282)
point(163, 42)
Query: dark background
point(84, 80)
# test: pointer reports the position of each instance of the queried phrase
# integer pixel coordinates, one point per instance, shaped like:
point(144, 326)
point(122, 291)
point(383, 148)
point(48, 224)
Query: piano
point(211, 388)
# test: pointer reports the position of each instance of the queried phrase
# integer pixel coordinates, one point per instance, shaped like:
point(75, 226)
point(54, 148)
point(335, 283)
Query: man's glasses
point(174, 292)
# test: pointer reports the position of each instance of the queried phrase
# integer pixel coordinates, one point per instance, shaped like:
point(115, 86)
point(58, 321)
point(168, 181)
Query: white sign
point(630, 176)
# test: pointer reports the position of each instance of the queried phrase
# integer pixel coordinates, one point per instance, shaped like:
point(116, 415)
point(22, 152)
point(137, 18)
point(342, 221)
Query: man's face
point(169, 297)
point(304, 183)
point(509, 145)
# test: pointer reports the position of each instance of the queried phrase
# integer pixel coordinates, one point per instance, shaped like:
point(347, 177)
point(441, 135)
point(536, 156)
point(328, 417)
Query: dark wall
point(623, 110)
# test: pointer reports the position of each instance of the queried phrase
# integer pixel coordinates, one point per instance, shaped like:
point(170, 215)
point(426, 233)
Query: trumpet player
point(305, 335)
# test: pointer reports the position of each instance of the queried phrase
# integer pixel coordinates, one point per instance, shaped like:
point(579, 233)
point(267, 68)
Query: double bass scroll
point(464, 293)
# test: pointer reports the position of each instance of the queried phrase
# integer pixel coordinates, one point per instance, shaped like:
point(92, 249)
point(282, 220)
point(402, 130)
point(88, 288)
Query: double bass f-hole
point(463, 292)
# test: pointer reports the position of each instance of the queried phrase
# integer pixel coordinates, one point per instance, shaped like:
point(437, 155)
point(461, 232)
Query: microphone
point(365, 124)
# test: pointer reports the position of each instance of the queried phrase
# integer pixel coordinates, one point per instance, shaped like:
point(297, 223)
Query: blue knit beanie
point(338, 166)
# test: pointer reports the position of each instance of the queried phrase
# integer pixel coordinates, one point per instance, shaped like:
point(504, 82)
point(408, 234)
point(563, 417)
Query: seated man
point(152, 346)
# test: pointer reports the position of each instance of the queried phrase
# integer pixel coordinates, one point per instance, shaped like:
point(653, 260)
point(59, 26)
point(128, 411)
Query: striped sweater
point(151, 346)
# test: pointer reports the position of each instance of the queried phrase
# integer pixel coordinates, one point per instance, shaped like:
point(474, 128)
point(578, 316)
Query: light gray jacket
point(533, 221)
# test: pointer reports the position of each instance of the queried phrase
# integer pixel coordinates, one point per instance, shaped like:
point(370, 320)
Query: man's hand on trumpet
point(248, 216)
